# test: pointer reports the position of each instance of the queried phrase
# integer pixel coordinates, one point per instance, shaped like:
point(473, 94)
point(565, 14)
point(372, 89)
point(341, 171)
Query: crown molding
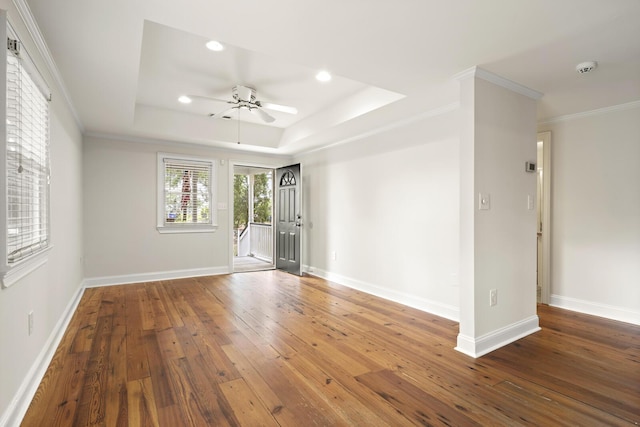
point(244, 148)
point(439, 111)
point(596, 112)
point(483, 74)
point(37, 37)
point(270, 152)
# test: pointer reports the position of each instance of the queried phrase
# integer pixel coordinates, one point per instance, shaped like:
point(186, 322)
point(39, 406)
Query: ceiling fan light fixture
point(215, 46)
point(323, 76)
point(184, 99)
point(244, 98)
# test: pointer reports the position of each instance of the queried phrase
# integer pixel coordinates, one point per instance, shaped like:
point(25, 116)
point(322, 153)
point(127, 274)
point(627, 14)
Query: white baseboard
point(476, 347)
point(92, 282)
point(16, 411)
point(439, 309)
point(596, 309)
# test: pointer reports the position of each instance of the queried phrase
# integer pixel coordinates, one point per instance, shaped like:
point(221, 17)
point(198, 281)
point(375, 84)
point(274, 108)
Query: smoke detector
point(586, 67)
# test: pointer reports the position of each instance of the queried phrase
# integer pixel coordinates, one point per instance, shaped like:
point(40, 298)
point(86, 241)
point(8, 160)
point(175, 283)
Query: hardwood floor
point(270, 348)
point(249, 263)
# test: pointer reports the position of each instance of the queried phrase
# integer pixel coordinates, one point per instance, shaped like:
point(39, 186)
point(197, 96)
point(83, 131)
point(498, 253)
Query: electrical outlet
point(493, 297)
point(30, 317)
point(334, 256)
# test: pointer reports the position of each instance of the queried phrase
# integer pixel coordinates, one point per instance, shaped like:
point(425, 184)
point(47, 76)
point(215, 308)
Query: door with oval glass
point(289, 219)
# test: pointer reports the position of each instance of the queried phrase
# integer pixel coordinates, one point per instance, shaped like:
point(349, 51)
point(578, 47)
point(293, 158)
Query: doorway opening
point(543, 198)
point(253, 243)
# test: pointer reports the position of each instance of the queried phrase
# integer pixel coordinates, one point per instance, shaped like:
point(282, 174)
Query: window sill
point(187, 229)
point(24, 268)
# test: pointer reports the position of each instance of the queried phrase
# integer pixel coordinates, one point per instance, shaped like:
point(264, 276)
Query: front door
point(288, 219)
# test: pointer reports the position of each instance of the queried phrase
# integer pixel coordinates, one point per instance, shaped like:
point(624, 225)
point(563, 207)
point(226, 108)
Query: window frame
point(11, 273)
point(178, 227)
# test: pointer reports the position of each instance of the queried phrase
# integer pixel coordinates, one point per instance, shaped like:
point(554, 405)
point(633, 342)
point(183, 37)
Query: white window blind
point(27, 161)
point(186, 194)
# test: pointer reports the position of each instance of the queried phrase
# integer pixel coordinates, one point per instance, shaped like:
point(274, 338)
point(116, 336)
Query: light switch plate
point(484, 201)
point(530, 203)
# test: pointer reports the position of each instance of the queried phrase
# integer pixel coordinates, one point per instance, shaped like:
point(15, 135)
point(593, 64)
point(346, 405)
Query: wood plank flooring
point(249, 263)
point(272, 349)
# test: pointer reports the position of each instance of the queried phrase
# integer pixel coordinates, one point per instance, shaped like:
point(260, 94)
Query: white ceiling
point(124, 63)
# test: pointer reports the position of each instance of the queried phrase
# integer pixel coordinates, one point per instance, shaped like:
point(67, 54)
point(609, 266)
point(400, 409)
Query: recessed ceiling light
point(184, 99)
point(323, 76)
point(215, 46)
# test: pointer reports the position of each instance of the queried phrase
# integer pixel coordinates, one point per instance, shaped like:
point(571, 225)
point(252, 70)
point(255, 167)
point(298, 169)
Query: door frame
point(545, 293)
point(232, 167)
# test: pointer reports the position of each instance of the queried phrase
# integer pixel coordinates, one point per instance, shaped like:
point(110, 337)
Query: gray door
point(288, 219)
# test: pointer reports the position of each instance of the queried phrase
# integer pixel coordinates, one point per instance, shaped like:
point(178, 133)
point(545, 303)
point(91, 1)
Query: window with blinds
point(27, 159)
point(186, 194)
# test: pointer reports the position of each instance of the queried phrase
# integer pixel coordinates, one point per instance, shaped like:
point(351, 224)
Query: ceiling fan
point(244, 97)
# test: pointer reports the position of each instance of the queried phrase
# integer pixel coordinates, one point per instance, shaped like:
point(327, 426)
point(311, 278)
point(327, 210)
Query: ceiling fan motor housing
point(244, 98)
point(244, 93)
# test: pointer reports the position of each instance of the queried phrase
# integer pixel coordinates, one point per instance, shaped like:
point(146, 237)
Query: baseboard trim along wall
point(443, 310)
point(596, 309)
point(22, 399)
point(154, 277)
point(477, 347)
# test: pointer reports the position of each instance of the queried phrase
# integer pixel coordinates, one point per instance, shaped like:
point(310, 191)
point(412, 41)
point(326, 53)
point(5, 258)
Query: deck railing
point(244, 241)
point(257, 241)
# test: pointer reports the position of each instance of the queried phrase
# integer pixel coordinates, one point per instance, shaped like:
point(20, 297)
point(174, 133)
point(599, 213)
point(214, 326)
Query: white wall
point(49, 290)
point(387, 205)
point(595, 214)
point(505, 251)
point(498, 245)
point(120, 192)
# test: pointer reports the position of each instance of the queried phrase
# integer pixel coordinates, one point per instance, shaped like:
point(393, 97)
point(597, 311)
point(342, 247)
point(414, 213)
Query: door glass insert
point(288, 179)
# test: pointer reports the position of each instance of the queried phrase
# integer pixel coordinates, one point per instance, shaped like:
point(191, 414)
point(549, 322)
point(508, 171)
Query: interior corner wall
point(498, 245)
point(505, 251)
point(122, 243)
point(595, 214)
point(467, 194)
point(50, 289)
point(381, 214)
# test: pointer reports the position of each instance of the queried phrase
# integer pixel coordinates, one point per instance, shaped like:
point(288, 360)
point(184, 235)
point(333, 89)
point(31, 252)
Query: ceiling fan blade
point(209, 98)
point(262, 114)
point(277, 107)
point(222, 114)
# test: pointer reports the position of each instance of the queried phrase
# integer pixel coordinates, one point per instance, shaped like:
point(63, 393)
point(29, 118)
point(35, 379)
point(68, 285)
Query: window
point(288, 179)
point(186, 197)
point(26, 161)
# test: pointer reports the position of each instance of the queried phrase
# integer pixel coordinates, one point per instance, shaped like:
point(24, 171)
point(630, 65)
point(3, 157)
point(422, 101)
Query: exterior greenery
point(187, 195)
point(240, 201)
point(262, 195)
